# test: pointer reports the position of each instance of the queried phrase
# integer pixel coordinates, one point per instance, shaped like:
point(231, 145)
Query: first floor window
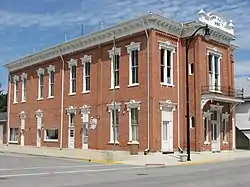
point(13, 135)
point(206, 130)
point(134, 124)
point(224, 130)
point(51, 134)
point(114, 125)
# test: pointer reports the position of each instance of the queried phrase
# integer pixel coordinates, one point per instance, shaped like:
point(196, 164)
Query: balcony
point(222, 91)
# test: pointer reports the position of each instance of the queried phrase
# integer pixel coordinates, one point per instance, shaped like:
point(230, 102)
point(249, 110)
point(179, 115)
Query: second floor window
point(15, 91)
point(166, 67)
point(115, 71)
point(134, 68)
point(40, 86)
point(73, 79)
point(214, 72)
point(51, 84)
point(24, 91)
point(86, 77)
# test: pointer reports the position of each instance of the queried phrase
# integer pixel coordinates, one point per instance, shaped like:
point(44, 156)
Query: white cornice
point(150, 21)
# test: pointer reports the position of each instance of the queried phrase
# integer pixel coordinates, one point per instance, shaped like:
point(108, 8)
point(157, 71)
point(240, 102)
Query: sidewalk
point(122, 157)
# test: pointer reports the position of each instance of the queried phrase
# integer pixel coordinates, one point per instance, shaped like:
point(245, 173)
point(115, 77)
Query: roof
point(222, 33)
point(3, 116)
point(243, 82)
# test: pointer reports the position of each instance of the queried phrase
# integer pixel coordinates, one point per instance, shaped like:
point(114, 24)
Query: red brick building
point(63, 96)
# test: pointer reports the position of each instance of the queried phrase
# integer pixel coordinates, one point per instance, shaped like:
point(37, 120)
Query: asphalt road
point(29, 171)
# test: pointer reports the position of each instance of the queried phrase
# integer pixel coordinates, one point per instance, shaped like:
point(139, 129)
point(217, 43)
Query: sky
point(28, 26)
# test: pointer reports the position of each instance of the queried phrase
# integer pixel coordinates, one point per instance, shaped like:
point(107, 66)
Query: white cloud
point(113, 11)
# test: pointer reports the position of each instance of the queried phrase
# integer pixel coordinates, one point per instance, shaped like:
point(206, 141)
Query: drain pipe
point(8, 108)
point(148, 90)
point(62, 99)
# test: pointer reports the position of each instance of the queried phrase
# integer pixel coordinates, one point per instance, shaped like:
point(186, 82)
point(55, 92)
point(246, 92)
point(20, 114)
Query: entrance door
point(84, 136)
point(38, 138)
point(167, 132)
point(22, 138)
point(71, 138)
point(215, 127)
point(1, 134)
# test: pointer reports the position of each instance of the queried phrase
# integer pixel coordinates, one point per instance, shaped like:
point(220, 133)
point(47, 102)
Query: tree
point(3, 100)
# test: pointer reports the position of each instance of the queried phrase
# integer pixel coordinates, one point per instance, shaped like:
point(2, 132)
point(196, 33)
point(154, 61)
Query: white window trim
point(40, 72)
point(85, 59)
point(15, 80)
point(71, 110)
point(191, 121)
point(112, 52)
point(207, 116)
point(24, 89)
point(110, 109)
point(214, 52)
point(225, 119)
point(39, 116)
point(168, 46)
point(129, 105)
point(45, 135)
point(71, 63)
point(50, 69)
point(132, 47)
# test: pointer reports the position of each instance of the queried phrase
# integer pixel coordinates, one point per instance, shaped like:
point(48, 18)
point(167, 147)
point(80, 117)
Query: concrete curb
point(200, 162)
point(66, 158)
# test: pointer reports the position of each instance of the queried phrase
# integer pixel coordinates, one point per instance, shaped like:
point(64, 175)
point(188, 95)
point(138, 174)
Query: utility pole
point(114, 105)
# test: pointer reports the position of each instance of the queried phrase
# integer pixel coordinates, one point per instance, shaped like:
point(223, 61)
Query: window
point(224, 130)
point(51, 135)
point(72, 66)
point(166, 65)
point(206, 130)
point(192, 122)
point(115, 71)
point(15, 80)
point(71, 119)
point(51, 84)
point(40, 88)
point(86, 77)
point(51, 71)
point(24, 86)
point(191, 68)
point(214, 71)
point(134, 124)
point(114, 122)
point(13, 135)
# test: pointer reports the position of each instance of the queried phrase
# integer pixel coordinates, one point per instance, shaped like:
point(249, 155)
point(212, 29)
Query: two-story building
point(125, 86)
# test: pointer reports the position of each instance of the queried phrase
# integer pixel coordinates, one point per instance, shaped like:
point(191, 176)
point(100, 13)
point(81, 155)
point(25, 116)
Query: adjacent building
point(131, 77)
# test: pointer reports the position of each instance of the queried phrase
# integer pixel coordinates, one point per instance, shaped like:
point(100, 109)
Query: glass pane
point(87, 68)
point(210, 65)
point(72, 133)
point(73, 72)
point(134, 132)
point(134, 58)
point(52, 90)
point(168, 58)
point(73, 85)
point(52, 77)
point(87, 83)
point(116, 78)
point(162, 73)
point(134, 116)
point(164, 130)
point(216, 65)
point(52, 134)
point(205, 129)
point(162, 56)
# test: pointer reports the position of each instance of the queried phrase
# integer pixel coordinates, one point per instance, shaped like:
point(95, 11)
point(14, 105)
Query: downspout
point(62, 99)
point(148, 90)
point(8, 109)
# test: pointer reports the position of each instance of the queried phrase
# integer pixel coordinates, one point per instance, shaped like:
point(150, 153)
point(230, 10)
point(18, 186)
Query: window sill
point(133, 85)
point(54, 141)
point(23, 101)
point(206, 143)
point(112, 142)
point(51, 97)
point(15, 103)
point(215, 91)
point(133, 143)
point(13, 142)
point(86, 92)
point(117, 87)
point(71, 94)
point(167, 85)
point(39, 99)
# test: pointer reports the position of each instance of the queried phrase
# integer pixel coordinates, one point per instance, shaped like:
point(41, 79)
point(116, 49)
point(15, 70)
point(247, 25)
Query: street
point(24, 171)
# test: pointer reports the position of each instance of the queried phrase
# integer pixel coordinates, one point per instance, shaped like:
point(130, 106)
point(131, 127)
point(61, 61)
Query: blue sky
point(27, 25)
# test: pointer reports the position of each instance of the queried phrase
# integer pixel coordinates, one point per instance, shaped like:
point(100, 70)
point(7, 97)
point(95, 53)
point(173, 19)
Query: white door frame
point(216, 144)
point(71, 139)
point(167, 146)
